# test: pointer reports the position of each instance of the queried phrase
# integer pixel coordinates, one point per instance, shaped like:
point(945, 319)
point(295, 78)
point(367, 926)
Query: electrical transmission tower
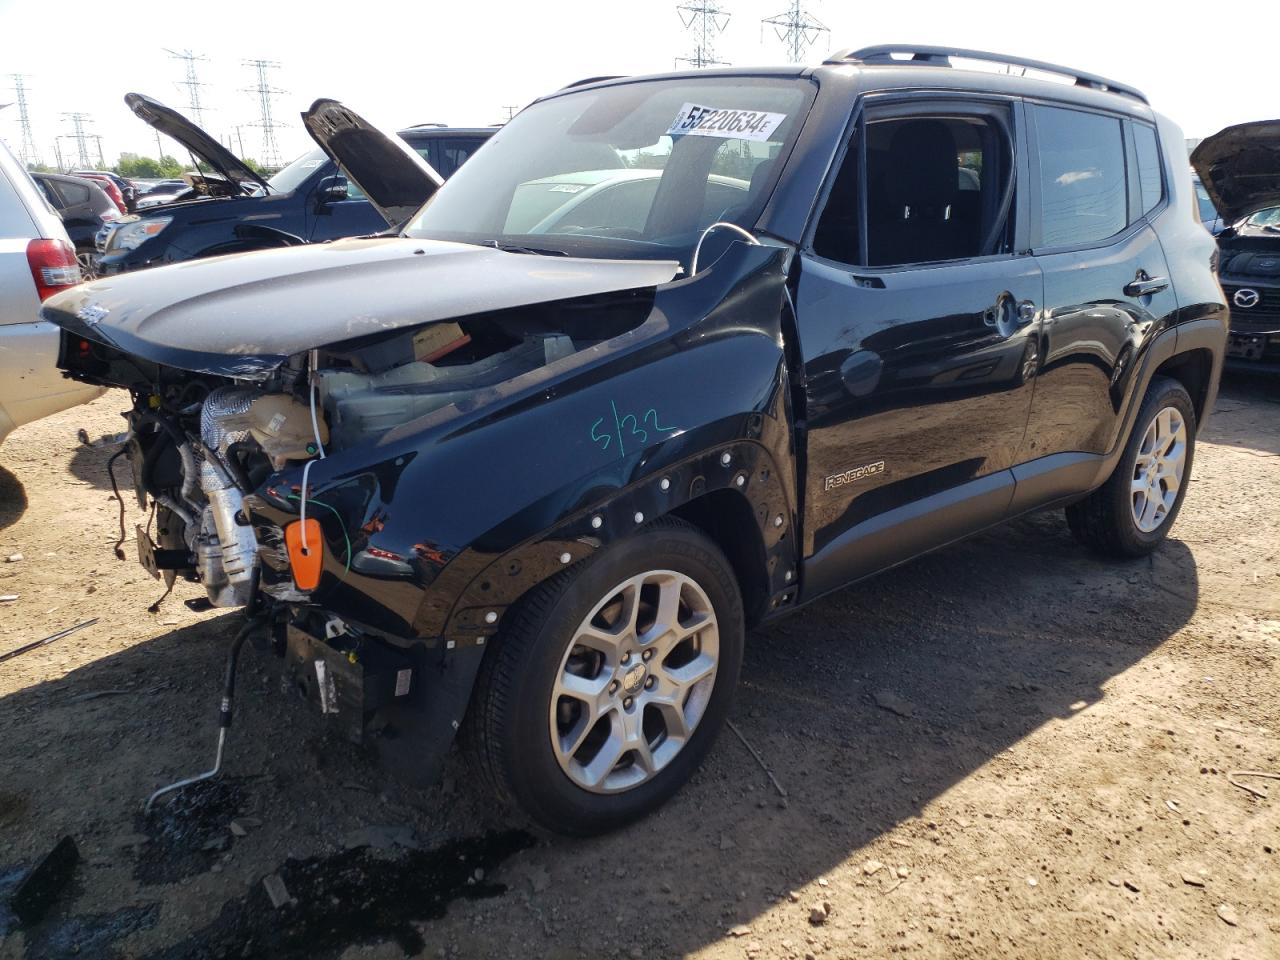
point(798, 29)
point(264, 91)
point(704, 21)
point(81, 137)
point(27, 152)
point(191, 82)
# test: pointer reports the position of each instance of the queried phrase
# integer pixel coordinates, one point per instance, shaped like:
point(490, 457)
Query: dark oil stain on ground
point(186, 833)
point(90, 935)
point(356, 896)
point(57, 938)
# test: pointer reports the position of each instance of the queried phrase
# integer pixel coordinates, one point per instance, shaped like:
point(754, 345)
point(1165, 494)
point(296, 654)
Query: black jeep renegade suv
point(669, 356)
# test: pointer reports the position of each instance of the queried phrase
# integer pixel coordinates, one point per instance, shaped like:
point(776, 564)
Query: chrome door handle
point(1144, 286)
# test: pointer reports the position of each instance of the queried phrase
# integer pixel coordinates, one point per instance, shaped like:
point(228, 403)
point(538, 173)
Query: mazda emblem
point(1246, 298)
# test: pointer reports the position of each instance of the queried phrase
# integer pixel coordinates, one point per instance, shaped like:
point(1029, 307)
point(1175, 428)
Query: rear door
point(1096, 179)
point(916, 318)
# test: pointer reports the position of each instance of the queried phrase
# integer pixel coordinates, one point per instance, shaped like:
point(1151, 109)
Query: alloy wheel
point(1158, 469)
point(634, 682)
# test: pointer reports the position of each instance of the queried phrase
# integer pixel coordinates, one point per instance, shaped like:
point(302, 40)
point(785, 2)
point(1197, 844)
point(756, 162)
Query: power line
point(27, 152)
point(81, 137)
point(264, 91)
point(191, 81)
point(704, 21)
point(797, 29)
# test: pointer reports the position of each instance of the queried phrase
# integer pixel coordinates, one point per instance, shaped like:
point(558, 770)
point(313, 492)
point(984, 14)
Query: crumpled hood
point(243, 315)
point(1240, 168)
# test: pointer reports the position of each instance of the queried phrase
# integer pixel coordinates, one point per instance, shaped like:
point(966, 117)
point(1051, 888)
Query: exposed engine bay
point(199, 444)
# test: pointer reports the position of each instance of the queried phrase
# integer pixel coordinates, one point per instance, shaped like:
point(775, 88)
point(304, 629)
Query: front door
point(917, 326)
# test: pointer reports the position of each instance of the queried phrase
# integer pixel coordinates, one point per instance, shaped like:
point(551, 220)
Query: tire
point(523, 726)
point(1116, 520)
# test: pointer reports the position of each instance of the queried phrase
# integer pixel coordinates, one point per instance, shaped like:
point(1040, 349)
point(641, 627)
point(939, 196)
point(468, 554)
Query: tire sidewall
point(534, 774)
point(1163, 393)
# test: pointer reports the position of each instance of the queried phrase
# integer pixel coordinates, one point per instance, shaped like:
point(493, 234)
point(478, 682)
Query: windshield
point(633, 170)
point(1266, 218)
point(1207, 212)
point(290, 178)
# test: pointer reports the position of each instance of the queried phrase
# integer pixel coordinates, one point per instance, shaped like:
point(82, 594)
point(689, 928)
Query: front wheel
point(608, 688)
point(1130, 514)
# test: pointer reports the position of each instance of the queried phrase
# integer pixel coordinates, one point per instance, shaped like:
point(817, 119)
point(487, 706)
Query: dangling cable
point(111, 472)
point(315, 429)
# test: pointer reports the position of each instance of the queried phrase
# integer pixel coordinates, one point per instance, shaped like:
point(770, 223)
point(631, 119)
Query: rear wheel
point(1130, 514)
point(606, 691)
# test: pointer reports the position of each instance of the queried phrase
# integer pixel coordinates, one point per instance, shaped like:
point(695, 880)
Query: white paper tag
point(698, 121)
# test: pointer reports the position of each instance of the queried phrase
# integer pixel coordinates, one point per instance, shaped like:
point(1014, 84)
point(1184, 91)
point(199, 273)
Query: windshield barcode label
point(699, 121)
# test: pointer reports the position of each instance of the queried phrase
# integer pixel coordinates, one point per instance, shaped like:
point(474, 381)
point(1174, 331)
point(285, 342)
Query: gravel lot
point(1006, 749)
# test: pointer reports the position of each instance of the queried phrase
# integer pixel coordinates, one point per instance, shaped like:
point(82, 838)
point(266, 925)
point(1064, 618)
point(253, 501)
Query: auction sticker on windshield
point(699, 121)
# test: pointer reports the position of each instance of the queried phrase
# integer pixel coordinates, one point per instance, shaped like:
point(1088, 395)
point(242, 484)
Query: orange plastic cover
point(305, 563)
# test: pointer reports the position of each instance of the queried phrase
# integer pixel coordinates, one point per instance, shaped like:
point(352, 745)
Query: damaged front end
point(381, 484)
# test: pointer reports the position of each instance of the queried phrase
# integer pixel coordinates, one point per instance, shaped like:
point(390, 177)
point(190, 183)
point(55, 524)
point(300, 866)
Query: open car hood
point(173, 124)
point(394, 178)
point(1240, 168)
point(244, 315)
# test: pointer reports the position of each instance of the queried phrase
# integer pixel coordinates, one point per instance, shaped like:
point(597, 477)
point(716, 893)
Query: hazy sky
point(463, 62)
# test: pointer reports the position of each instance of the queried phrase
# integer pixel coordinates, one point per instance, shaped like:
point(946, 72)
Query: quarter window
point(1152, 183)
point(1082, 177)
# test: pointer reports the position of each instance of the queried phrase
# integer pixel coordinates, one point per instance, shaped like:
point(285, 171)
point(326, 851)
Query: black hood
point(394, 178)
point(173, 124)
point(1240, 168)
point(243, 315)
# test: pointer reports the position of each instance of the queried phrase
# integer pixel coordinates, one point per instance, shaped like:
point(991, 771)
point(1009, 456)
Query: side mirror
point(332, 189)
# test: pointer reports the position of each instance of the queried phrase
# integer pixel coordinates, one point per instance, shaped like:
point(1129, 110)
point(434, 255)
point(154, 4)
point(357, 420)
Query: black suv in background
point(308, 201)
point(1240, 170)
point(669, 357)
point(84, 208)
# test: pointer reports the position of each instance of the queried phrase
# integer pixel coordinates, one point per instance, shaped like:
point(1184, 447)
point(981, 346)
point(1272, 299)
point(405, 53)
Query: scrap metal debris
point(1261, 794)
point(759, 759)
point(34, 645)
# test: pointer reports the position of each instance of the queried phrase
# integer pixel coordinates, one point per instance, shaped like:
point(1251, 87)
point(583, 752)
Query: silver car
point(36, 261)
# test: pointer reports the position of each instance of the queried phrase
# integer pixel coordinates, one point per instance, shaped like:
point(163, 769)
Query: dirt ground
point(1006, 749)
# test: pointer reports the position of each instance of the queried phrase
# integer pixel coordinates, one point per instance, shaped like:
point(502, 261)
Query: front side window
point(631, 170)
point(1082, 176)
point(937, 188)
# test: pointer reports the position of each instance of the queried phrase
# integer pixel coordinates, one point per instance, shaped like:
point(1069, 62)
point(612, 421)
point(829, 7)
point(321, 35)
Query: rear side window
point(1149, 178)
point(1082, 176)
point(73, 193)
point(454, 153)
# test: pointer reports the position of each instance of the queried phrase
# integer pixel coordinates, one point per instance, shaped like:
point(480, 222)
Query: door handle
point(1026, 312)
point(1144, 286)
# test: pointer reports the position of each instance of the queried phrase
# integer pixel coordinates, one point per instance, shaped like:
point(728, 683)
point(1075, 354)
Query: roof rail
point(583, 82)
point(941, 57)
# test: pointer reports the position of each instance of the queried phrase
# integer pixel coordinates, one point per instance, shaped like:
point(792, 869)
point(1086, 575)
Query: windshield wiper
point(516, 248)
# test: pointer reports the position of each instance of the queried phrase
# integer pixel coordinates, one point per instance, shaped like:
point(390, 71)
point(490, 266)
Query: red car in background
point(108, 184)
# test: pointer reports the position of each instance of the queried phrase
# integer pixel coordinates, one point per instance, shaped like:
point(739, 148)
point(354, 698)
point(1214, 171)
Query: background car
point(36, 260)
point(1208, 213)
point(84, 208)
point(128, 192)
point(1239, 168)
point(233, 209)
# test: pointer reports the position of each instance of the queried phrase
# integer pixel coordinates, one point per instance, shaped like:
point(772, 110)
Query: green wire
point(341, 525)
